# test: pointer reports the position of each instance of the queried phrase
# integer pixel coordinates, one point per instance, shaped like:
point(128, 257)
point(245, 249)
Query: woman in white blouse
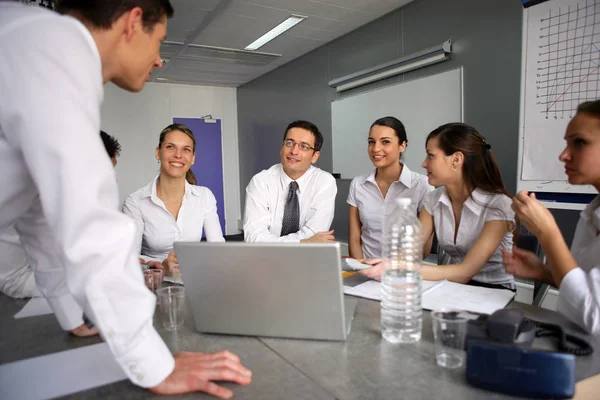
point(470, 210)
point(171, 207)
point(576, 272)
point(371, 196)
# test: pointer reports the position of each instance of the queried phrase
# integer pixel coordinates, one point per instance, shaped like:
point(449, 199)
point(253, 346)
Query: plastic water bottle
point(402, 253)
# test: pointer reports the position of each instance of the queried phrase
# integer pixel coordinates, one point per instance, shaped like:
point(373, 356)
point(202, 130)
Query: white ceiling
point(233, 24)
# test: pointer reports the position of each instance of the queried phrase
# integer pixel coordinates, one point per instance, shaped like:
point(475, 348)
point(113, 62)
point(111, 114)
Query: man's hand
point(320, 237)
point(83, 331)
point(195, 372)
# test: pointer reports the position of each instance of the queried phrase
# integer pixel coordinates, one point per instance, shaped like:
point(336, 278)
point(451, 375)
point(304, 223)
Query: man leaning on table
point(16, 274)
point(52, 75)
point(292, 201)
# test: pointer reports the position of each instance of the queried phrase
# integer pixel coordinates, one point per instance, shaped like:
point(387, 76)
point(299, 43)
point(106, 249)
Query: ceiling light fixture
point(273, 33)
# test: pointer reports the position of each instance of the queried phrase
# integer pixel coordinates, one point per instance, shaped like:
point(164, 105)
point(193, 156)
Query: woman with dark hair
point(470, 210)
point(371, 196)
point(576, 272)
point(171, 208)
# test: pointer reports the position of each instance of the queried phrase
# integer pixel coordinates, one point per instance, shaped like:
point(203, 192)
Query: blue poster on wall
point(208, 167)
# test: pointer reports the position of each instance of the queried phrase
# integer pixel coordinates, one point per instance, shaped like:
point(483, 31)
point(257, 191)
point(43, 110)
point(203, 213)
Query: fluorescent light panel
point(273, 33)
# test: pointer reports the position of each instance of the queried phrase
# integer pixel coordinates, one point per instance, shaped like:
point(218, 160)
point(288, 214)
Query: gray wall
point(486, 38)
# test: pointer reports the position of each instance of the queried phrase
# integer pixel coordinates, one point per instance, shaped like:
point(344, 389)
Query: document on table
point(465, 297)
point(445, 294)
point(59, 374)
point(34, 307)
point(372, 289)
point(175, 278)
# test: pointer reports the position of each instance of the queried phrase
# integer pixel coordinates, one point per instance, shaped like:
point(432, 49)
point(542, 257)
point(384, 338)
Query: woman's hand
point(375, 272)
point(536, 218)
point(523, 264)
point(170, 263)
point(152, 264)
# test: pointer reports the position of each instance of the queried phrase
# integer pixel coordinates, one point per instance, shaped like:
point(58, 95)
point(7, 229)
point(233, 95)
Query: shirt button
point(140, 377)
point(132, 367)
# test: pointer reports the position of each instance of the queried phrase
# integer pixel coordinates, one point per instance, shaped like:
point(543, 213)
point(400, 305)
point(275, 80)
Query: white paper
point(372, 289)
point(355, 265)
point(464, 297)
point(445, 294)
point(34, 307)
point(59, 374)
point(178, 279)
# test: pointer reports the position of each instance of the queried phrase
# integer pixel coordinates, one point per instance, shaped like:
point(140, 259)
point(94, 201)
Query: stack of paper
point(372, 289)
point(465, 297)
point(445, 294)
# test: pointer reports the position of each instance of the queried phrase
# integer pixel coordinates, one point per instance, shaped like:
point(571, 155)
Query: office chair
point(527, 241)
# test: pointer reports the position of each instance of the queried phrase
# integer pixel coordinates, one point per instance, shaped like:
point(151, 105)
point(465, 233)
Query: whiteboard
point(560, 69)
point(422, 105)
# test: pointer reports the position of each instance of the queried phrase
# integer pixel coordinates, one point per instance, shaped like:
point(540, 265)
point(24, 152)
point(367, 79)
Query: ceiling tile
point(308, 8)
point(243, 21)
point(275, 16)
point(188, 14)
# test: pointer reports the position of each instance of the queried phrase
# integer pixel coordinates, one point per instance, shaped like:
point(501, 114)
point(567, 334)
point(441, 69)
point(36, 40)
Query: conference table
point(363, 367)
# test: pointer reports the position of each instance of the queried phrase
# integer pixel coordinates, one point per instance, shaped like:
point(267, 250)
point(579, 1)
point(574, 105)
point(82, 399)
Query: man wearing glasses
point(292, 201)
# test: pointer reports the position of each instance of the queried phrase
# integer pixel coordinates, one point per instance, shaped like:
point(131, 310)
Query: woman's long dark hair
point(480, 170)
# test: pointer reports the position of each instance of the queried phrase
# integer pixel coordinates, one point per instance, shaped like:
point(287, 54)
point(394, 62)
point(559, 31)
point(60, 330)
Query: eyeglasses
point(302, 146)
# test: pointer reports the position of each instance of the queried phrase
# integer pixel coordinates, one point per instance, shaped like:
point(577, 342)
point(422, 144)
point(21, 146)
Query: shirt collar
point(476, 202)
point(592, 210)
point(444, 198)
point(302, 181)
point(405, 177)
point(150, 189)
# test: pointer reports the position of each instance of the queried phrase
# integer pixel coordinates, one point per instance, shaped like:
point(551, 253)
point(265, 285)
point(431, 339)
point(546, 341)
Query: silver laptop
point(264, 289)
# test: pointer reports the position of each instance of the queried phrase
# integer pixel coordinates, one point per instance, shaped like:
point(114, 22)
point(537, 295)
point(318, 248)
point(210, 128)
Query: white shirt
point(374, 209)
point(16, 275)
point(478, 209)
point(579, 295)
point(265, 201)
point(51, 85)
point(157, 229)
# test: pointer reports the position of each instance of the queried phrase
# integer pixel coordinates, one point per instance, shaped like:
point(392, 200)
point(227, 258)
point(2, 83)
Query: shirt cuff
point(150, 362)
point(571, 297)
point(67, 311)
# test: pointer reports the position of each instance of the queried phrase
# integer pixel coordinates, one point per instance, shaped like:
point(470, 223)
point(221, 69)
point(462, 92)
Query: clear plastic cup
point(149, 280)
point(449, 332)
point(171, 304)
point(158, 276)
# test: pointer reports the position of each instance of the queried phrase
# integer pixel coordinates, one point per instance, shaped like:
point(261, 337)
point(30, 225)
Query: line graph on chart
point(568, 59)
